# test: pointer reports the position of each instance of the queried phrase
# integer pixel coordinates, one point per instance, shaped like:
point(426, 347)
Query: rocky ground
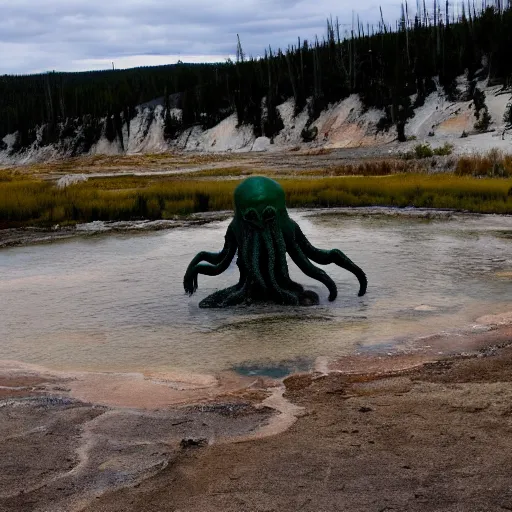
point(397, 434)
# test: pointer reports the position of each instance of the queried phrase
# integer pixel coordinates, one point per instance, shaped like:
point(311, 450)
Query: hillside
point(345, 124)
point(431, 77)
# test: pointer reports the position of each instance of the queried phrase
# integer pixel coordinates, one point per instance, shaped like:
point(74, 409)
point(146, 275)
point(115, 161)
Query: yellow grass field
point(25, 200)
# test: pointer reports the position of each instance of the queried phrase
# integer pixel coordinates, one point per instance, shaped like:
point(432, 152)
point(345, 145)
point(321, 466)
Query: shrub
point(309, 134)
point(444, 150)
point(423, 151)
point(481, 111)
point(507, 117)
point(484, 121)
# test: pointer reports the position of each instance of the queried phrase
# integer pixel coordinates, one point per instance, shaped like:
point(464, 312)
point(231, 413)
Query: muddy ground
point(420, 436)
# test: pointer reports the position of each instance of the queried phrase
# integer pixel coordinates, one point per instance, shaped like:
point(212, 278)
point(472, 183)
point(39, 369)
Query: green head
point(259, 200)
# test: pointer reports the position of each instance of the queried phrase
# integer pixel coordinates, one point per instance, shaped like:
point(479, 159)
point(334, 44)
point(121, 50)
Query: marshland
point(477, 184)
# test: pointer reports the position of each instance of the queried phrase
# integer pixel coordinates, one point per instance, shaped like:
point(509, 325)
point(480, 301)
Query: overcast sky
point(75, 35)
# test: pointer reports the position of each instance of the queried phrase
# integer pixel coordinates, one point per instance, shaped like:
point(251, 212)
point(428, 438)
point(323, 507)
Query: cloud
point(72, 35)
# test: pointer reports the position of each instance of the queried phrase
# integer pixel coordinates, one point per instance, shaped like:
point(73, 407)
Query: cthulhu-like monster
point(263, 233)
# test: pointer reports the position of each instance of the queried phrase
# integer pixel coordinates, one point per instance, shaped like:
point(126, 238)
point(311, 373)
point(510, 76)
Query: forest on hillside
point(386, 65)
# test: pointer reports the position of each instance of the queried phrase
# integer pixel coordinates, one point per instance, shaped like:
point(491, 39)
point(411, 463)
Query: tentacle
point(242, 270)
point(310, 270)
point(250, 260)
point(235, 298)
point(231, 296)
point(280, 246)
point(325, 257)
point(246, 249)
point(216, 299)
point(256, 263)
point(220, 262)
point(216, 257)
point(280, 249)
point(286, 296)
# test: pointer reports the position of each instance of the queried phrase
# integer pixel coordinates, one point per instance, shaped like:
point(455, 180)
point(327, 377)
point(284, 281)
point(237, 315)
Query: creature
point(262, 233)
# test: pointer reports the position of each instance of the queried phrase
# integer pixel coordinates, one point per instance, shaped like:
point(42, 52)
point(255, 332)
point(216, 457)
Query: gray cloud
point(78, 34)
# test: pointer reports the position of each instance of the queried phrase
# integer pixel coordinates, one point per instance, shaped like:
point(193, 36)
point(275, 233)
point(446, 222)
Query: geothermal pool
point(115, 302)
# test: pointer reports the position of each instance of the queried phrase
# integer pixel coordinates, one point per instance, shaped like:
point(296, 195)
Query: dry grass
point(439, 191)
point(366, 168)
point(369, 168)
point(492, 164)
point(25, 201)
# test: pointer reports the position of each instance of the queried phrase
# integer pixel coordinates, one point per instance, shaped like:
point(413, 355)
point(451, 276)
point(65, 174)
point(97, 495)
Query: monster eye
point(269, 214)
point(251, 216)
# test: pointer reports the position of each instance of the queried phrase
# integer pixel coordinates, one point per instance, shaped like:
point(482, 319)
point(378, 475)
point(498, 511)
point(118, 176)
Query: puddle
point(276, 370)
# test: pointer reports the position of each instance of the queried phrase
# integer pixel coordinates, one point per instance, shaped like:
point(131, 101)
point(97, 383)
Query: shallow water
point(115, 302)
